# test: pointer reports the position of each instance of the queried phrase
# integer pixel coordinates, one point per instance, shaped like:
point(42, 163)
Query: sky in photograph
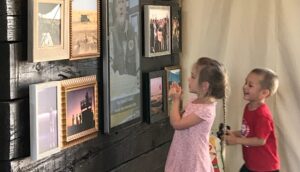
point(74, 98)
point(159, 13)
point(84, 4)
point(156, 86)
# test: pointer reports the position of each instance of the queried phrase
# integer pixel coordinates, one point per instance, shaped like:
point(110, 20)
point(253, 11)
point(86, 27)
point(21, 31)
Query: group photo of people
point(159, 34)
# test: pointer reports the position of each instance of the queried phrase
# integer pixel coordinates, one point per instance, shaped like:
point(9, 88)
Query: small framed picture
point(79, 110)
point(48, 30)
point(173, 75)
point(85, 29)
point(176, 29)
point(44, 119)
point(157, 30)
point(155, 107)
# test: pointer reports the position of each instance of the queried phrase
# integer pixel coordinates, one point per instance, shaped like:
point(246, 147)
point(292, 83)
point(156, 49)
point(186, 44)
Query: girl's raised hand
point(175, 91)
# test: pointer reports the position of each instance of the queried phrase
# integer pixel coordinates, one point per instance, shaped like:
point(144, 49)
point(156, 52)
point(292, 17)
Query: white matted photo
point(48, 30)
point(44, 119)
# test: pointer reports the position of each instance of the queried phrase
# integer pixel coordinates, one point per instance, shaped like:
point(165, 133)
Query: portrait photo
point(124, 61)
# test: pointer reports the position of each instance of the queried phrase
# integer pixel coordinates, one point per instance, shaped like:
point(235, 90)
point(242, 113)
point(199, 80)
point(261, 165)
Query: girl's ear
point(205, 85)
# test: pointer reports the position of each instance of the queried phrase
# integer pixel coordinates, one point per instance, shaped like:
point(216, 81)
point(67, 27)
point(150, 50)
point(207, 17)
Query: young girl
point(189, 150)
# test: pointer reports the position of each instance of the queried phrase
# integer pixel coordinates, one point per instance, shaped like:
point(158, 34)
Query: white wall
point(243, 35)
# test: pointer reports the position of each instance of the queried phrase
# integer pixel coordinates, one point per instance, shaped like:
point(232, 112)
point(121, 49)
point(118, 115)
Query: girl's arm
point(176, 120)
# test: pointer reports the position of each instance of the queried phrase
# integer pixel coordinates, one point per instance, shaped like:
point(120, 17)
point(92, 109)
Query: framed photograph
point(176, 29)
point(48, 30)
point(79, 110)
point(85, 29)
point(123, 104)
point(155, 107)
point(157, 30)
point(44, 119)
point(173, 75)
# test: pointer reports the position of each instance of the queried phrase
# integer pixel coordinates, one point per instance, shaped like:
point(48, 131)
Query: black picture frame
point(176, 29)
point(155, 104)
point(122, 91)
point(157, 30)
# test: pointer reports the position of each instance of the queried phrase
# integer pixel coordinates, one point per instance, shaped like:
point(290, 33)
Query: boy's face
point(252, 88)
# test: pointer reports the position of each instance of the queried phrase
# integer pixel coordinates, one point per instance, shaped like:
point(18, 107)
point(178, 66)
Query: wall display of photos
point(44, 119)
point(79, 110)
point(124, 100)
point(62, 114)
point(63, 29)
point(157, 30)
point(173, 75)
point(48, 30)
point(176, 29)
point(85, 26)
point(155, 105)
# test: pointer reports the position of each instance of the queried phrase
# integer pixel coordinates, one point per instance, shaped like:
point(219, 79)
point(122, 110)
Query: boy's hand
point(230, 138)
point(175, 91)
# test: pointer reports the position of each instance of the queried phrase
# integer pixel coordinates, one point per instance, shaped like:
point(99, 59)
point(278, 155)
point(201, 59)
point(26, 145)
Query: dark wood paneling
point(127, 145)
point(13, 28)
point(5, 166)
point(13, 7)
point(152, 161)
point(108, 152)
point(17, 74)
point(14, 129)
point(10, 54)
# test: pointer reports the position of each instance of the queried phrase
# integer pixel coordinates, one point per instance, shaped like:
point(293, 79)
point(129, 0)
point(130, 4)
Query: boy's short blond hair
point(270, 80)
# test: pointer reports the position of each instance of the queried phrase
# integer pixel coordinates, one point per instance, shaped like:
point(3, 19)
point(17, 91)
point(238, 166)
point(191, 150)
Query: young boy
point(257, 135)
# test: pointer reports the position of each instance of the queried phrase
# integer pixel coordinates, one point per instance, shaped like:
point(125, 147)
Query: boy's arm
point(232, 139)
point(237, 133)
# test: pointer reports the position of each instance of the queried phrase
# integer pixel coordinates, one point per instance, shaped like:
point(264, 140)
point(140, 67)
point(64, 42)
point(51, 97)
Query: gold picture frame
point(48, 30)
point(84, 29)
point(79, 121)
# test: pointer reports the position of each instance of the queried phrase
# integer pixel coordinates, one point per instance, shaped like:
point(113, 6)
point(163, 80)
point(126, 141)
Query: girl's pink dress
point(189, 151)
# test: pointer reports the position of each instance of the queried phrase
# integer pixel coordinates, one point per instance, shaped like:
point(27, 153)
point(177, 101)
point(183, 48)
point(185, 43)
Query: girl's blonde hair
point(214, 73)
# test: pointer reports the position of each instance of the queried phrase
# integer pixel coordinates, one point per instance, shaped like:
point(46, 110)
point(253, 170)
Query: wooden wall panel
point(13, 28)
point(13, 7)
point(14, 129)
